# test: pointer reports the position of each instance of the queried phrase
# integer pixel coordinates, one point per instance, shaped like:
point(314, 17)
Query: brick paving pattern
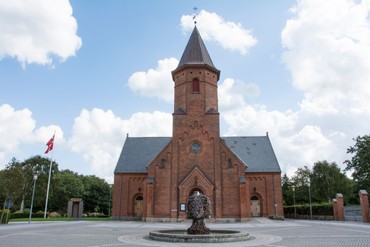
point(264, 232)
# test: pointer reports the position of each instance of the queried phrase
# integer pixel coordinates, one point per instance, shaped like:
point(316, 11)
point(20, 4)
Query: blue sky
point(93, 71)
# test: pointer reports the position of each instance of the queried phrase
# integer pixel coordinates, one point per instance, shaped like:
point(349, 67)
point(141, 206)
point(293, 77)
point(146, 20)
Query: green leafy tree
point(300, 181)
point(40, 165)
point(10, 180)
point(68, 184)
point(96, 194)
point(287, 190)
point(327, 180)
point(360, 162)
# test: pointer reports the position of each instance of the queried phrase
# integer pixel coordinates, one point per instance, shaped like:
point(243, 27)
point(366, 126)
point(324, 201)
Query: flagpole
point(47, 190)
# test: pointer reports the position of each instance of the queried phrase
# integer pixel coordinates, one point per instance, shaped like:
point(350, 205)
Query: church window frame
point(229, 163)
point(162, 164)
point(196, 147)
point(195, 85)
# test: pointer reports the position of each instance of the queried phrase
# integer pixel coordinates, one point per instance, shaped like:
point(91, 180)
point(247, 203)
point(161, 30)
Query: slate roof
point(196, 53)
point(256, 152)
point(137, 152)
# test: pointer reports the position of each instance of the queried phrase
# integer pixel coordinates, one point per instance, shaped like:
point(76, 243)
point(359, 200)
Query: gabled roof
point(137, 152)
point(196, 53)
point(256, 152)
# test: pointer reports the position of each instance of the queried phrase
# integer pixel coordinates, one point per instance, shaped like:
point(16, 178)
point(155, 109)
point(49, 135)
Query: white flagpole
point(47, 190)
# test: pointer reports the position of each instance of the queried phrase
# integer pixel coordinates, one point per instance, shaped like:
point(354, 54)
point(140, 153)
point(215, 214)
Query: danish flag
point(50, 144)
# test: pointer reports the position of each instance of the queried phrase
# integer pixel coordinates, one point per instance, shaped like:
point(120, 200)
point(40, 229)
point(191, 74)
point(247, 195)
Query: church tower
point(196, 127)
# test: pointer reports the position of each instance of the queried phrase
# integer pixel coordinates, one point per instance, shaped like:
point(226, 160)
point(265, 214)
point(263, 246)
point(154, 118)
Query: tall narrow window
point(229, 163)
point(195, 85)
point(163, 164)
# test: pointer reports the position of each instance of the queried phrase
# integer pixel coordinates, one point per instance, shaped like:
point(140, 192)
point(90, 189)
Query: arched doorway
point(195, 189)
point(138, 206)
point(255, 206)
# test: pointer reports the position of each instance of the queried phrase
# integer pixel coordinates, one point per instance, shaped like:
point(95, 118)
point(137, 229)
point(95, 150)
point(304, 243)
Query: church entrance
point(138, 206)
point(195, 189)
point(255, 206)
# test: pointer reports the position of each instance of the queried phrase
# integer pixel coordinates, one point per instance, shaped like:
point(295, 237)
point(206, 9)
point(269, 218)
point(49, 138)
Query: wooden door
point(255, 206)
point(138, 206)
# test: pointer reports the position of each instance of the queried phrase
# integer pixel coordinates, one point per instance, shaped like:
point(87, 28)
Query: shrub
point(4, 221)
point(302, 211)
point(25, 210)
point(26, 215)
point(54, 215)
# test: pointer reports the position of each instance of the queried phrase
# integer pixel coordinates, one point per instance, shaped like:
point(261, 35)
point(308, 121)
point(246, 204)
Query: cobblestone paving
point(264, 232)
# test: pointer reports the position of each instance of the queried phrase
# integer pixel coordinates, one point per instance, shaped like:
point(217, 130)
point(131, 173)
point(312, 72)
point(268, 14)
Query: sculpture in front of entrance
point(198, 208)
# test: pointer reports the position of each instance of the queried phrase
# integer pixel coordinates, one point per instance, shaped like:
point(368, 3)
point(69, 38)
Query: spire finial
point(195, 15)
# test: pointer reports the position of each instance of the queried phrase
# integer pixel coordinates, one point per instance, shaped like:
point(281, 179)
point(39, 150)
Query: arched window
point(229, 163)
point(163, 164)
point(195, 85)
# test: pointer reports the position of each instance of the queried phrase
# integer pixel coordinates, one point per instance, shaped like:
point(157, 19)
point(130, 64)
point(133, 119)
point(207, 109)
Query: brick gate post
point(364, 201)
point(335, 209)
point(339, 211)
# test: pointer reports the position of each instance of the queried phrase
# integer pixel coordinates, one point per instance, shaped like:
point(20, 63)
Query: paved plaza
point(264, 232)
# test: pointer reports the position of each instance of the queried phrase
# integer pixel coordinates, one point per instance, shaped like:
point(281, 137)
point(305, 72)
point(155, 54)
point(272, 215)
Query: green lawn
point(61, 219)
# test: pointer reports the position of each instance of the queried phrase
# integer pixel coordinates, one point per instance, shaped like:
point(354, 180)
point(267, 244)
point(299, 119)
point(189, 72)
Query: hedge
point(325, 209)
point(26, 215)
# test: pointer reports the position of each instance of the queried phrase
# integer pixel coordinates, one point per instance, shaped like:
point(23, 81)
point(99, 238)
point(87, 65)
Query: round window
point(195, 147)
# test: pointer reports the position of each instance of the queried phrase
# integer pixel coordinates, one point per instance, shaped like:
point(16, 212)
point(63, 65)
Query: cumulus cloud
point(18, 127)
point(37, 31)
point(15, 127)
point(155, 82)
point(99, 135)
point(232, 92)
point(328, 54)
point(327, 51)
point(229, 35)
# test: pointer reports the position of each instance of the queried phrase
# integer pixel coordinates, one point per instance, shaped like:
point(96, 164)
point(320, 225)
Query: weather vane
point(195, 15)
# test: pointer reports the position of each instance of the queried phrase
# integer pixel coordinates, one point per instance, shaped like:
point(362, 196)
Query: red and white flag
point(50, 144)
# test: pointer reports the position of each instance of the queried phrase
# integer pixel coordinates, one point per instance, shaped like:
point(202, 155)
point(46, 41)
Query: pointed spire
point(196, 53)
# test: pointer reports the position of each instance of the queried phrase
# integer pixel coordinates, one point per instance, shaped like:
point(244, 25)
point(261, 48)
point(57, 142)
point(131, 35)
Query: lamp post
point(35, 176)
point(309, 196)
point(295, 212)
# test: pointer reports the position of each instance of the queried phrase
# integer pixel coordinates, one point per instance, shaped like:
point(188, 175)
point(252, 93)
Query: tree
point(40, 165)
point(24, 181)
point(360, 162)
point(287, 190)
point(10, 180)
point(300, 181)
point(68, 184)
point(327, 180)
point(96, 194)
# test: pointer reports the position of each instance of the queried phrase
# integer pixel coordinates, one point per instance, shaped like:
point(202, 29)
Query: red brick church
point(155, 176)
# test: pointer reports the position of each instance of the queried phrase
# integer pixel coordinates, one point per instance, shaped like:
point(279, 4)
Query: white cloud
point(36, 31)
point(229, 35)
point(305, 147)
point(99, 136)
point(257, 120)
point(17, 127)
point(328, 53)
point(155, 82)
point(299, 138)
point(232, 92)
